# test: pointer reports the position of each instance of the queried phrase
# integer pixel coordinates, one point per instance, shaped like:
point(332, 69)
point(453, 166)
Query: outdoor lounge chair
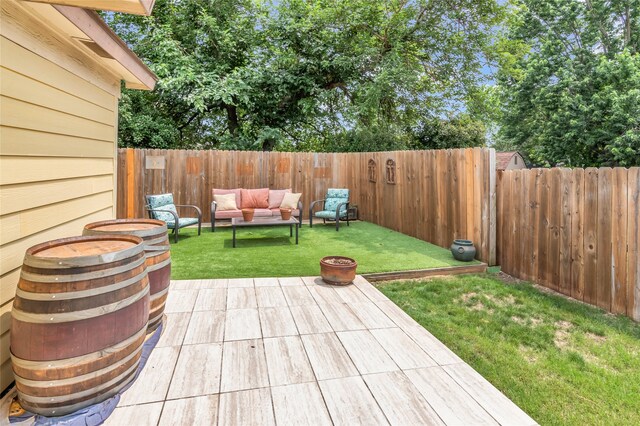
point(334, 207)
point(161, 207)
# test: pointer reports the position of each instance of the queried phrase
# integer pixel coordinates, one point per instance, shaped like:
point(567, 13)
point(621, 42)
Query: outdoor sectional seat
point(248, 198)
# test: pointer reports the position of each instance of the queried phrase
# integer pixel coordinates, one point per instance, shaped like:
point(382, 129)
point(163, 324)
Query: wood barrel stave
point(158, 257)
point(72, 348)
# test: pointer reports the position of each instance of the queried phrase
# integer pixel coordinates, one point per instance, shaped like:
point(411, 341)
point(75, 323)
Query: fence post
point(131, 182)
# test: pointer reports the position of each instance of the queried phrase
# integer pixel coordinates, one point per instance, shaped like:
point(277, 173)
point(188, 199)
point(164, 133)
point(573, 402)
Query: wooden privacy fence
point(435, 196)
point(575, 231)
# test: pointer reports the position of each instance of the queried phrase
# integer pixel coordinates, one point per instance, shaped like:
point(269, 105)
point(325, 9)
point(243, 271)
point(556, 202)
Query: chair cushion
point(255, 198)
point(237, 191)
point(337, 193)
point(156, 201)
point(329, 214)
point(290, 201)
point(182, 222)
point(276, 196)
point(225, 202)
point(334, 198)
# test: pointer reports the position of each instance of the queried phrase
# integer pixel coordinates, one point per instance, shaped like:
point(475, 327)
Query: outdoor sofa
point(265, 202)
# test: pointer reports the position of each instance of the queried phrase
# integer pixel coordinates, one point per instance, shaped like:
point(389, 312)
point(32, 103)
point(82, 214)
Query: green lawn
point(269, 252)
point(563, 362)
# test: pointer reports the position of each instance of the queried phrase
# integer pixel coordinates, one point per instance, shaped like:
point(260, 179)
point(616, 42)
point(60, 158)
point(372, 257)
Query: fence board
point(574, 231)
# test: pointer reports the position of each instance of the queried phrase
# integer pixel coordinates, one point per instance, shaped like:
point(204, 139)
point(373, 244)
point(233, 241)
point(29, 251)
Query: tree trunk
point(232, 119)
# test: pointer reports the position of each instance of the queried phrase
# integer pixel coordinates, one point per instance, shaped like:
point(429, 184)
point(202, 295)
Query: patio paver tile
point(180, 301)
point(351, 294)
point(310, 319)
point(432, 346)
point(287, 361)
point(371, 316)
point(369, 290)
point(328, 357)
point(269, 297)
point(312, 280)
point(153, 382)
point(175, 328)
point(300, 404)
point(452, 403)
point(324, 294)
point(290, 281)
point(277, 322)
point(208, 359)
point(298, 296)
point(350, 402)
point(396, 314)
point(241, 298)
point(402, 349)
point(243, 366)
point(201, 410)
point(400, 400)
point(341, 317)
point(366, 353)
point(242, 324)
point(266, 282)
point(491, 399)
point(240, 282)
point(246, 408)
point(205, 327)
point(211, 299)
point(214, 283)
point(139, 415)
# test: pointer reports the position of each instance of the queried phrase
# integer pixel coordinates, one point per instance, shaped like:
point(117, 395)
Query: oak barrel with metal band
point(158, 256)
point(78, 321)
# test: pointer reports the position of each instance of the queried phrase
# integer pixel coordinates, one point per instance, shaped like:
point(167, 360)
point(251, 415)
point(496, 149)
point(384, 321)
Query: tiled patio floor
point(292, 351)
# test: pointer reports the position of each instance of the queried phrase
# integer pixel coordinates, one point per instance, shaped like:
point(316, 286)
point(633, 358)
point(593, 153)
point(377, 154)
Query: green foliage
point(456, 132)
point(295, 74)
point(570, 82)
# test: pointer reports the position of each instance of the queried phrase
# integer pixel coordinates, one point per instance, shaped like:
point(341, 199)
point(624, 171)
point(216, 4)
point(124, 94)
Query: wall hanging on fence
point(391, 171)
point(372, 170)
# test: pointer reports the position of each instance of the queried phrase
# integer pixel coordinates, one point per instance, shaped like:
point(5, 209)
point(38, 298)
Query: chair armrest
point(193, 207)
point(313, 203)
point(338, 209)
point(175, 216)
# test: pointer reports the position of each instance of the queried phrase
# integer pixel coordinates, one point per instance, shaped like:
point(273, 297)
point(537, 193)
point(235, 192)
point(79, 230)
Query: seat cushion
point(228, 214)
point(157, 201)
point(262, 213)
point(183, 221)
point(255, 198)
point(329, 214)
point(237, 191)
point(331, 204)
point(276, 196)
point(294, 212)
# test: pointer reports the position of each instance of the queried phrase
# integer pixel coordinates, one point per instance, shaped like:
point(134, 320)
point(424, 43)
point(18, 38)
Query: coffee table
point(238, 222)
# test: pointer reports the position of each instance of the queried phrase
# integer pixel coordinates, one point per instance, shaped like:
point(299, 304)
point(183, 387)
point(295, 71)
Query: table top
point(264, 221)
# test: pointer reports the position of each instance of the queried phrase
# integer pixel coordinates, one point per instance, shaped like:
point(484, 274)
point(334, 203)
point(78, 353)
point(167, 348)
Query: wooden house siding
point(58, 132)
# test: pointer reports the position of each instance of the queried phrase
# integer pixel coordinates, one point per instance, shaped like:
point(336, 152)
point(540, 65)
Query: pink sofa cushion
point(255, 198)
point(276, 196)
point(294, 212)
point(237, 191)
point(228, 214)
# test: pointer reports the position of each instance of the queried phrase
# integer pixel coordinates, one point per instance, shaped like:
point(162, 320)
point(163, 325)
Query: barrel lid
point(140, 227)
point(84, 251)
point(126, 226)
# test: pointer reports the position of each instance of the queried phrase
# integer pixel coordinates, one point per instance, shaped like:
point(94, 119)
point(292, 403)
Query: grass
point(269, 252)
point(561, 361)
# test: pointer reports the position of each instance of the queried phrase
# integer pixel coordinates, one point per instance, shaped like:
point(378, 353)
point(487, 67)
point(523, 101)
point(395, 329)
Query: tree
point(569, 81)
point(299, 73)
point(456, 132)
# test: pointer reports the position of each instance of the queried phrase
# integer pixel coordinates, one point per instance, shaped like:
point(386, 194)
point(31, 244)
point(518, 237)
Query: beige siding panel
point(14, 113)
point(35, 169)
point(22, 142)
point(6, 374)
point(7, 285)
point(31, 65)
point(17, 86)
point(23, 28)
point(12, 254)
point(25, 223)
point(14, 198)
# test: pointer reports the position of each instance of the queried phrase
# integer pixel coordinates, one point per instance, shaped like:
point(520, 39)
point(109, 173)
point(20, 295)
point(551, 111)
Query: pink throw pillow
point(236, 191)
point(276, 196)
point(255, 198)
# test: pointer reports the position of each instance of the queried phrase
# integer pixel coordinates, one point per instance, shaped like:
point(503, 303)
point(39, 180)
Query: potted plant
point(247, 214)
point(285, 213)
point(338, 270)
point(463, 250)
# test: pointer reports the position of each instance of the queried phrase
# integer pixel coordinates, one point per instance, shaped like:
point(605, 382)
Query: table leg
point(234, 236)
point(297, 234)
point(290, 230)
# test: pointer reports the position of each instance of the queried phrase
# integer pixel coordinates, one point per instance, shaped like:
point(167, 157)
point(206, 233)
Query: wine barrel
point(79, 321)
point(156, 245)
